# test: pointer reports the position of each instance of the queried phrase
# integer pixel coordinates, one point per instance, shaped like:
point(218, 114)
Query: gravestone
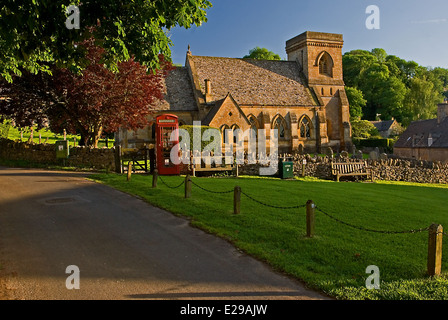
point(373, 155)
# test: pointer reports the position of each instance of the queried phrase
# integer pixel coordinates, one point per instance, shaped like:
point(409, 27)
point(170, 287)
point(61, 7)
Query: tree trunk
point(97, 135)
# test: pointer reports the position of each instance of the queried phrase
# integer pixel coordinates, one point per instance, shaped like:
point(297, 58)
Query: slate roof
point(383, 125)
point(178, 92)
point(254, 82)
point(418, 132)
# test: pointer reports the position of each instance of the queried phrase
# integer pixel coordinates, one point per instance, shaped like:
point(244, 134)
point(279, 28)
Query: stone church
point(303, 97)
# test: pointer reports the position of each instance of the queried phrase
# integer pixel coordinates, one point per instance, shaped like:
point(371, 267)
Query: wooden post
point(303, 167)
point(435, 250)
point(154, 178)
point(237, 200)
point(129, 170)
point(310, 215)
point(187, 186)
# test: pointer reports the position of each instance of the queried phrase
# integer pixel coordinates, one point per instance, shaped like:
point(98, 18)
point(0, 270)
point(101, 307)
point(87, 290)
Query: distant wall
point(393, 169)
point(45, 154)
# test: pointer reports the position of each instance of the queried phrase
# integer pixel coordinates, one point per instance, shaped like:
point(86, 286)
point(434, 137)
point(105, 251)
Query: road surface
point(123, 247)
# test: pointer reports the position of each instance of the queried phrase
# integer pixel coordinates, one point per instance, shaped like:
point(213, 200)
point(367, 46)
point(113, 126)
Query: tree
point(262, 54)
point(33, 34)
point(421, 100)
point(90, 103)
point(356, 101)
point(363, 129)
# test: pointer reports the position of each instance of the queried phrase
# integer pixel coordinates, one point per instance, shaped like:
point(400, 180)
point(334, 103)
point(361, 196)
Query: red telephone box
point(165, 125)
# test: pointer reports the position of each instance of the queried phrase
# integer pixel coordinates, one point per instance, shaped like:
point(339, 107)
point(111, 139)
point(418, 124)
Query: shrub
point(214, 144)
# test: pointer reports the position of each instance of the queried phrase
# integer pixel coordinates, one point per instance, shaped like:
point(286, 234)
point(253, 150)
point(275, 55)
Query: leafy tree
point(421, 100)
point(95, 101)
point(262, 54)
point(33, 34)
point(393, 87)
point(363, 129)
point(357, 102)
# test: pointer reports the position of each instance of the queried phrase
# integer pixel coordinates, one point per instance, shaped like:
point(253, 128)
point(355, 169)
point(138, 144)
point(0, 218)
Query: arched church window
point(280, 125)
point(305, 128)
point(253, 125)
point(326, 64)
point(234, 127)
point(223, 129)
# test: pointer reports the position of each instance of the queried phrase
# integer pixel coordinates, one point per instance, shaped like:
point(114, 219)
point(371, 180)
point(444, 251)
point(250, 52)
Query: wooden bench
point(351, 169)
point(207, 166)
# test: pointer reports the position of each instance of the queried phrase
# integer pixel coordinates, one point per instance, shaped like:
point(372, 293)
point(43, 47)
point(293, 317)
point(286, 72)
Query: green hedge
point(376, 142)
point(189, 129)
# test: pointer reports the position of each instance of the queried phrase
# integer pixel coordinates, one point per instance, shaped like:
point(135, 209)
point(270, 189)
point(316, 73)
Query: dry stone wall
point(384, 168)
point(392, 169)
point(45, 154)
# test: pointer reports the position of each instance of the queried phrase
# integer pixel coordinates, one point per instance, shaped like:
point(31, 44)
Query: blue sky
point(410, 29)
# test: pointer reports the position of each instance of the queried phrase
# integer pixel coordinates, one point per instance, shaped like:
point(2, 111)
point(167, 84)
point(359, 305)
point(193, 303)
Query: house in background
point(426, 139)
point(303, 98)
point(387, 128)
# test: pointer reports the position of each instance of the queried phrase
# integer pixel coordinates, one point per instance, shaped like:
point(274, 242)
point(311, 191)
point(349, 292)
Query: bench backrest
point(349, 167)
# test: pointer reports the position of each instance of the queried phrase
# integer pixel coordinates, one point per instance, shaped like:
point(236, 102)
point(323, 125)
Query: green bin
point(286, 169)
point(62, 149)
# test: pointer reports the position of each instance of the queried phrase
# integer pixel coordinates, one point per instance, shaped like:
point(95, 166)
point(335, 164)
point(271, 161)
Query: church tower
point(319, 57)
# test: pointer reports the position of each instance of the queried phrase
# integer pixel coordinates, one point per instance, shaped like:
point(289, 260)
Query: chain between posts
point(272, 206)
point(303, 206)
point(169, 185)
point(371, 230)
point(211, 191)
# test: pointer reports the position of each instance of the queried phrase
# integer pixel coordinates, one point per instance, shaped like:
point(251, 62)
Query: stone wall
point(392, 169)
point(45, 154)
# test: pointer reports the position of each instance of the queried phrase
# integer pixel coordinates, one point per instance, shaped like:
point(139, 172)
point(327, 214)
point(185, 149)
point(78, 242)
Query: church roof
point(253, 82)
point(178, 92)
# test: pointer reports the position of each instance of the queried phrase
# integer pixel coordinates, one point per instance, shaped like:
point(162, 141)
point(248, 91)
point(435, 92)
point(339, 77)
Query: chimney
point(442, 111)
point(430, 141)
point(208, 91)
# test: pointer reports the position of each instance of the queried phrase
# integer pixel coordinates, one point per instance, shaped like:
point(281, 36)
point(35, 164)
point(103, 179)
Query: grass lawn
point(335, 260)
point(49, 137)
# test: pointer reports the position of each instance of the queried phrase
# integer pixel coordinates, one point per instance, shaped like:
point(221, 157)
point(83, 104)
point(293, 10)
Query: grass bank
point(335, 260)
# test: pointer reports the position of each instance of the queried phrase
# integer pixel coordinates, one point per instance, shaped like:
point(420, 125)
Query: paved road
point(123, 247)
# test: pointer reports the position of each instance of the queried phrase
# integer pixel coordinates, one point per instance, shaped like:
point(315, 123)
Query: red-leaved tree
point(99, 100)
point(92, 103)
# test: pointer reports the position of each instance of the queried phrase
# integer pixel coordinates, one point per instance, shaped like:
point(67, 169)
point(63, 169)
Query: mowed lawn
point(49, 137)
point(334, 261)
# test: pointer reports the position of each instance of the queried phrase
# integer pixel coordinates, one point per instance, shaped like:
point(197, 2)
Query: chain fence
point(171, 187)
point(273, 206)
point(324, 212)
point(370, 230)
point(210, 191)
point(434, 255)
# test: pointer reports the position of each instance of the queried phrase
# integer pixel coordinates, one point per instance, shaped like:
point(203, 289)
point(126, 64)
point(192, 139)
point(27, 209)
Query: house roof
point(383, 125)
point(418, 133)
point(253, 82)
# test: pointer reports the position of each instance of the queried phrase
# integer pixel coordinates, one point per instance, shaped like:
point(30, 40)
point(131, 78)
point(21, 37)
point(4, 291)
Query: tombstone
point(359, 154)
point(383, 156)
point(373, 155)
point(330, 152)
point(353, 150)
point(344, 154)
